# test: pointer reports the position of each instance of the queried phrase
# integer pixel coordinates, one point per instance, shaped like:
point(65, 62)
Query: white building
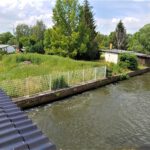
point(7, 48)
point(112, 56)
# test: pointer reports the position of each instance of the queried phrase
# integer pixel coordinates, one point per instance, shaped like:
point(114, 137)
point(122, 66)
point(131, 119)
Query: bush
point(28, 57)
point(59, 83)
point(36, 48)
point(113, 69)
point(128, 61)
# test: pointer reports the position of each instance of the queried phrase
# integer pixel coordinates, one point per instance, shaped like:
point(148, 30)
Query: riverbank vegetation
point(127, 62)
point(18, 66)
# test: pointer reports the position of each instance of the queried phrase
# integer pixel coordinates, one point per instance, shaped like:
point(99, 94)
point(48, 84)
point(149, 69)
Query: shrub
point(128, 61)
point(108, 72)
point(59, 83)
point(114, 69)
point(124, 76)
point(28, 57)
point(1, 56)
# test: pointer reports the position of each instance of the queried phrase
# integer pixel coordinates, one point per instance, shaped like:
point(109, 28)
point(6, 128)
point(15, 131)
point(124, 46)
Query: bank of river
point(110, 118)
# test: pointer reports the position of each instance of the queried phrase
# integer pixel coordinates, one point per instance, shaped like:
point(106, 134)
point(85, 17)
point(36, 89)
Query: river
point(115, 117)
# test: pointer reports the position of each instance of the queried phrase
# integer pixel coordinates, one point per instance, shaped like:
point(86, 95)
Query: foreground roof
point(17, 131)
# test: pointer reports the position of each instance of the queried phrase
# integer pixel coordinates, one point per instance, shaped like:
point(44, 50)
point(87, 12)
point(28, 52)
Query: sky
point(107, 13)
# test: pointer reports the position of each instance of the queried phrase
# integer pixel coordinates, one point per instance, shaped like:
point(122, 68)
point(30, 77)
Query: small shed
point(7, 48)
point(112, 56)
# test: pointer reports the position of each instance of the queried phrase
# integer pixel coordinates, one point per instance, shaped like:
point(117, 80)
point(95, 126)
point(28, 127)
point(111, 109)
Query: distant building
point(112, 56)
point(7, 48)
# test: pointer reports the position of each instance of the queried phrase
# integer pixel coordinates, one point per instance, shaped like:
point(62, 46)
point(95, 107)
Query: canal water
point(115, 117)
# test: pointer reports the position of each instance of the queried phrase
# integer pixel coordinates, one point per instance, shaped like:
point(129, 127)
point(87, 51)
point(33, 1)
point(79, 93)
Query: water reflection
point(115, 117)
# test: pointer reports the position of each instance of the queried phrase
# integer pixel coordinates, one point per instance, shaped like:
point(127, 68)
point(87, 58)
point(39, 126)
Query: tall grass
point(20, 66)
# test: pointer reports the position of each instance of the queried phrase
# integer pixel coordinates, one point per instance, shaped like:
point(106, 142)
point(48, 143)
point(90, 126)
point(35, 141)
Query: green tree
point(73, 33)
point(64, 34)
point(87, 29)
point(103, 41)
point(47, 41)
point(22, 30)
point(113, 39)
point(121, 35)
point(5, 37)
point(140, 41)
point(37, 31)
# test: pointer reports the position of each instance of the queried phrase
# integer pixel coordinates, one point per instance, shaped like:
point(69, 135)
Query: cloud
point(132, 24)
point(133, 13)
point(13, 12)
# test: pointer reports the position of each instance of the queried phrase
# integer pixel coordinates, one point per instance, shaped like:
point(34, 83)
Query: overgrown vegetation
point(128, 61)
point(59, 83)
point(18, 66)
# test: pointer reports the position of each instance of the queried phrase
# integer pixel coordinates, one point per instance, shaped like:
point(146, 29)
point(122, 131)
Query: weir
point(17, 131)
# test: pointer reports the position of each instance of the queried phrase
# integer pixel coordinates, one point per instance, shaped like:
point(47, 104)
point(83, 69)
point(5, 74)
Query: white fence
point(55, 81)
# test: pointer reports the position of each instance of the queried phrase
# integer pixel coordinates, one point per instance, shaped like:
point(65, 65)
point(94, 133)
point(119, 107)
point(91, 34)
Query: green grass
point(14, 66)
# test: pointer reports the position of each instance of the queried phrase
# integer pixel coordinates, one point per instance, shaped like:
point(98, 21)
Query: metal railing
point(37, 84)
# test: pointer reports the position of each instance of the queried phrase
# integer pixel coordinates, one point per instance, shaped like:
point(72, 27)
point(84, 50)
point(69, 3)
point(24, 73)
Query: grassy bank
point(19, 66)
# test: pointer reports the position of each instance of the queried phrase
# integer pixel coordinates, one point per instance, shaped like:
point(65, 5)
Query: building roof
point(8, 48)
point(3, 46)
point(116, 51)
point(17, 131)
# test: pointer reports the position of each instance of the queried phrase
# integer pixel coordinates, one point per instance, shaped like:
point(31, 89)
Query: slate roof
point(17, 131)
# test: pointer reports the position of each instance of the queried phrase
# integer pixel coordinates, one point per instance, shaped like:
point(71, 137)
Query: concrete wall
point(112, 58)
point(47, 97)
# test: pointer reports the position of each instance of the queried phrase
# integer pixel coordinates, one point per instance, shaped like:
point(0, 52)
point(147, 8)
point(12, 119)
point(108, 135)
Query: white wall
point(111, 57)
point(10, 49)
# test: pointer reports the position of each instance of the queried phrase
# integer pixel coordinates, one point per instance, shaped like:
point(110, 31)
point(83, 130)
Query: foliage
point(124, 76)
point(37, 31)
point(103, 41)
point(73, 33)
point(47, 40)
point(114, 69)
point(28, 57)
point(32, 38)
point(35, 47)
point(22, 30)
point(13, 66)
point(140, 41)
point(121, 35)
point(59, 83)
point(128, 61)
point(5, 37)
point(87, 29)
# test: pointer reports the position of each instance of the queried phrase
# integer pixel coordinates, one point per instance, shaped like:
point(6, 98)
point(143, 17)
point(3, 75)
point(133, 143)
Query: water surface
point(114, 117)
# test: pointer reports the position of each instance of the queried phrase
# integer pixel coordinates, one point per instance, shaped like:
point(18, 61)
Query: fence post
point(68, 78)
point(50, 82)
point(105, 72)
point(83, 75)
point(95, 73)
point(27, 87)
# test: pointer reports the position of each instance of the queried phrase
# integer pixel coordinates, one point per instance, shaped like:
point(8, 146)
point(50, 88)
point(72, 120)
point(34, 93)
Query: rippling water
point(115, 117)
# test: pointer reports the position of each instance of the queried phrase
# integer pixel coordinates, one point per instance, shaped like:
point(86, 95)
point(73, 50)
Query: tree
point(73, 33)
point(37, 31)
point(22, 30)
point(140, 41)
point(64, 34)
point(5, 37)
point(103, 41)
point(113, 39)
point(47, 40)
point(121, 35)
point(88, 31)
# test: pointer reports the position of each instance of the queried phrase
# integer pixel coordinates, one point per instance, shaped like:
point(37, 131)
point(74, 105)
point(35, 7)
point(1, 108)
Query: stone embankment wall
point(48, 97)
